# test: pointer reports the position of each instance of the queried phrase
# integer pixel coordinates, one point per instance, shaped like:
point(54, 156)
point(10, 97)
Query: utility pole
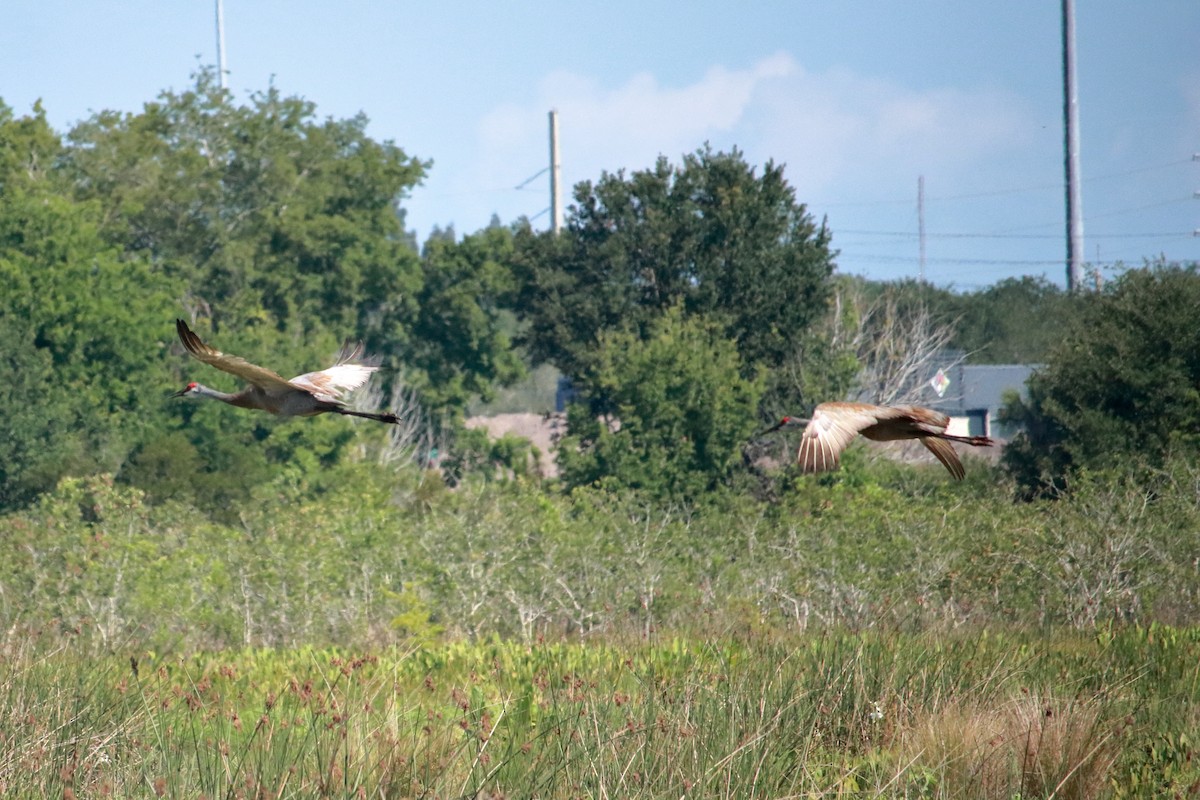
point(921, 222)
point(1071, 146)
point(221, 43)
point(556, 212)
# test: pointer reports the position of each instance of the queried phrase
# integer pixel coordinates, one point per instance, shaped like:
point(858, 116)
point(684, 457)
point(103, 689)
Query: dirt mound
point(541, 429)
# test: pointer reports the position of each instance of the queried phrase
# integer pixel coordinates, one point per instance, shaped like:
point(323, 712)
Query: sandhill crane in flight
point(834, 425)
point(303, 396)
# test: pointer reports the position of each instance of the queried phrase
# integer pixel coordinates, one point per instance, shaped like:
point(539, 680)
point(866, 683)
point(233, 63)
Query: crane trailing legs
point(834, 425)
point(303, 396)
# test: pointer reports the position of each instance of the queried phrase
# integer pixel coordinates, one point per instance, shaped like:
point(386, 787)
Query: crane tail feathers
point(391, 419)
point(974, 441)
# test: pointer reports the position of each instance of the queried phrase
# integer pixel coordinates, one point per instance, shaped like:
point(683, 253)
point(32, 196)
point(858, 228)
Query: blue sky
point(856, 98)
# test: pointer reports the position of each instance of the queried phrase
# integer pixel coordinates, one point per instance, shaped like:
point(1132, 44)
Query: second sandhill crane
point(834, 425)
point(303, 396)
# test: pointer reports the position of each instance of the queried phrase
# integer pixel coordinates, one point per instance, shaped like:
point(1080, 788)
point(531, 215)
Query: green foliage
point(879, 613)
point(263, 212)
point(710, 236)
point(824, 364)
point(668, 297)
point(474, 452)
point(213, 456)
point(357, 555)
point(1014, 321)
point(1122, 387)
point(275, 233)
point(415, 618)
point(461, 345)
point(78, 327)
point(681, 411)
point(28, 149)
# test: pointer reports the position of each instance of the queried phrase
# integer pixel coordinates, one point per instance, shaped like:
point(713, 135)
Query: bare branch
point(899, 351)
point(415, 438)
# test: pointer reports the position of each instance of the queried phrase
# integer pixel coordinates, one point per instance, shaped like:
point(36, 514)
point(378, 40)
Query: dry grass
point(1031, 746)
point(823, 715)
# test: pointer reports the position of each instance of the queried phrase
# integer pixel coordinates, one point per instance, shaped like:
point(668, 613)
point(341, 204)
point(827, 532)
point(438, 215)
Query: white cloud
point(842, 135)
point(627, 126)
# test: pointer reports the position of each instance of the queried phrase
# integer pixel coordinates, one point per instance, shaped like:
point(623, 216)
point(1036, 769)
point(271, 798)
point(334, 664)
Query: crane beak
point(771, 429)
point(786, 422)
point(180, 393)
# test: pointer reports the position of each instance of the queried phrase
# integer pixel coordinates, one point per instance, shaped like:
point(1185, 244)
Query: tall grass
point(368, 558)
point(831, 714)
point(378, 635)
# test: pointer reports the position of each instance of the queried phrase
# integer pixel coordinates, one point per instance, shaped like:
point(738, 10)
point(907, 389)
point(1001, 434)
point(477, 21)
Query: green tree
point(462, 342)
point(281, 234)
point(78, 326)
point(681, 411)
point(1014, 321)
point(1122, 387)
point(265, 213)
point(710, 236)
point(28, 150)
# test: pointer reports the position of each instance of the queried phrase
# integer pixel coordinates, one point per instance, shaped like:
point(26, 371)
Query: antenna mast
point(556, 211)
point(1071, 145)
point(221, 70)
point(921, 221)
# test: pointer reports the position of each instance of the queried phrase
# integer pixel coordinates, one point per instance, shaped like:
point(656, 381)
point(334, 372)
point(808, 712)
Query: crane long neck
point(203, 391)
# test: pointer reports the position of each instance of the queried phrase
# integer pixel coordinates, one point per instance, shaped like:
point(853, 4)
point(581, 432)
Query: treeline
point(689, 302)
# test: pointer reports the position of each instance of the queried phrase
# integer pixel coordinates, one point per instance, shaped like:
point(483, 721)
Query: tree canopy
point(681, 411)
point(1122, 387)
point(262, 211)
point(1013, 321)
point(461, 336)
point(684, 302)
point(78, 325)
point(711, 236)
point(276, 233)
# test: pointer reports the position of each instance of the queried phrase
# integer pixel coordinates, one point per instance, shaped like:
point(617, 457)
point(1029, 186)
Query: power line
point(530, 179)
point(1147, 207)
point(909, 236)
point(1036, 187)
point(884, 258)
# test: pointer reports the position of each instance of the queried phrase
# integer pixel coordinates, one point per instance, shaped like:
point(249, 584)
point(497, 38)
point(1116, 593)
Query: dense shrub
point(1120, 388)
point(369, 556)
point(680, 411)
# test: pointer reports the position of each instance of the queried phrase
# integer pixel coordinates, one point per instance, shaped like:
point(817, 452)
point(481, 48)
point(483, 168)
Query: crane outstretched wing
point(330, 384)
point(945, 454)
point(261, 377)
point(832, 427)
